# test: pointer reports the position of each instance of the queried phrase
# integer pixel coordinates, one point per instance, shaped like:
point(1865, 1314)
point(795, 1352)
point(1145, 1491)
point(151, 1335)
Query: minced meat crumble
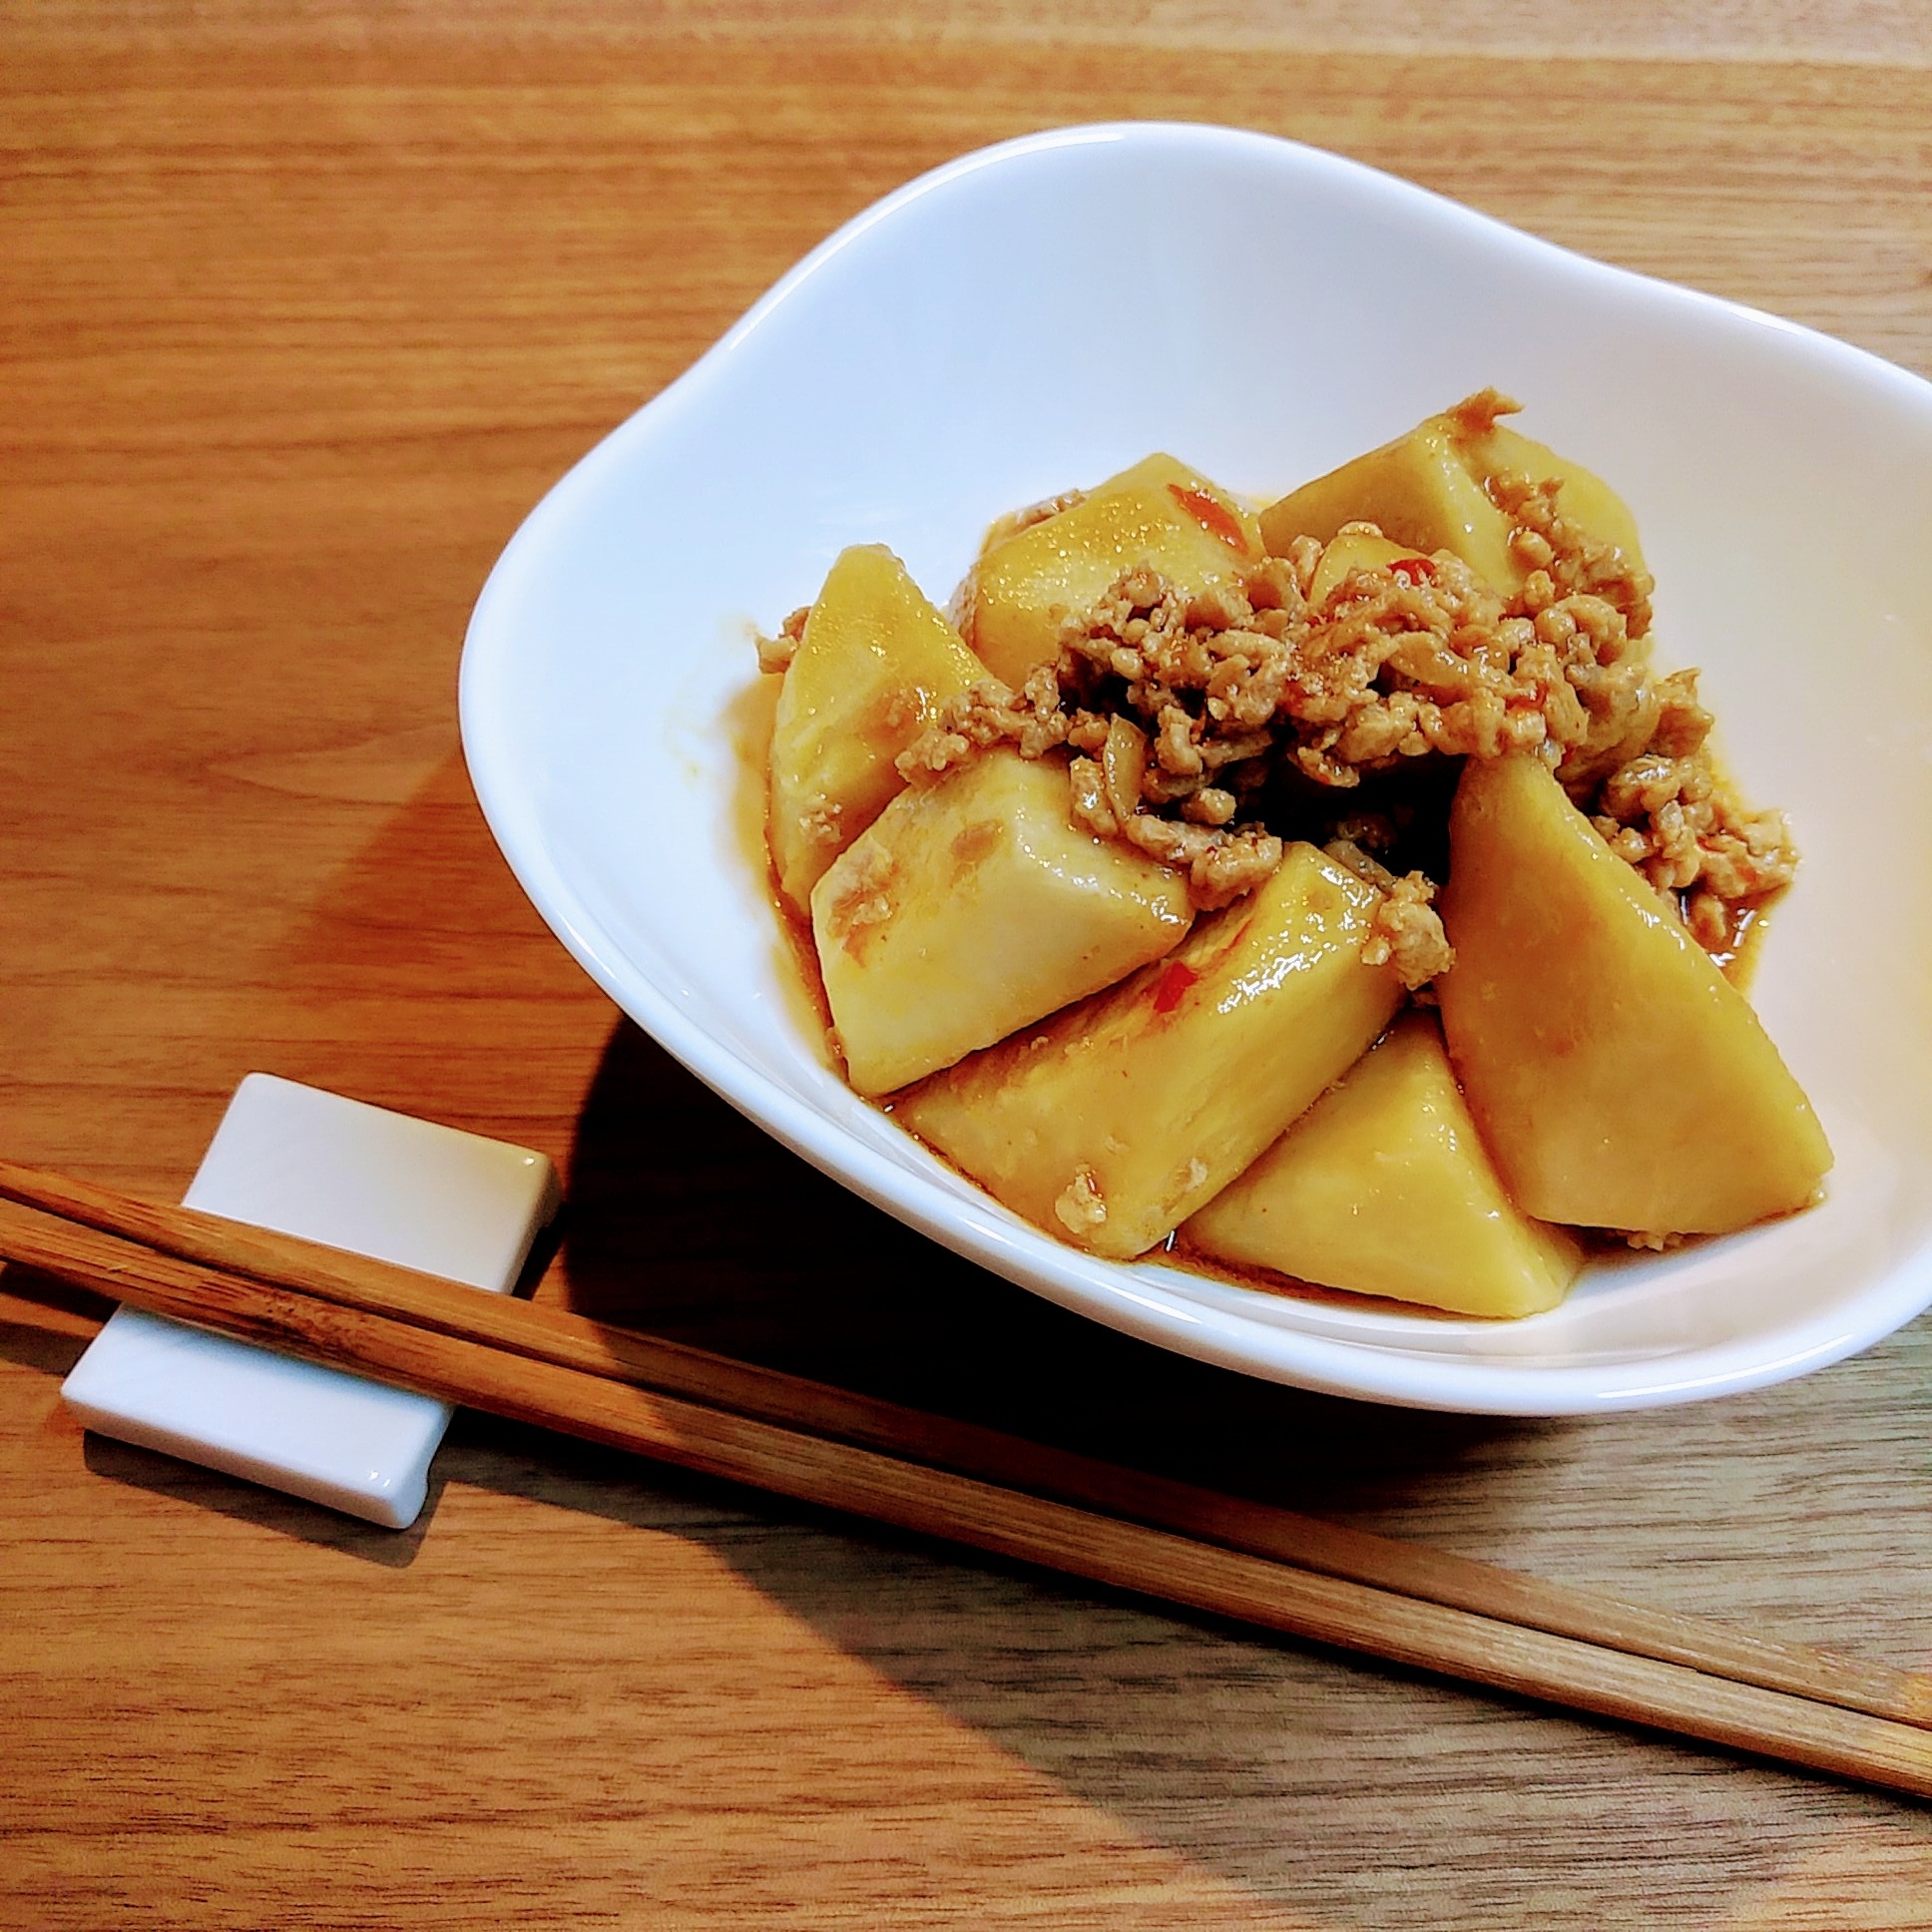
point(1202, 730)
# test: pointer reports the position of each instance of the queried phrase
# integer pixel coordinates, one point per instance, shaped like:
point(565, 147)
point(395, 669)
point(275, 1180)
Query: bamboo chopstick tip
point(1915, 1698)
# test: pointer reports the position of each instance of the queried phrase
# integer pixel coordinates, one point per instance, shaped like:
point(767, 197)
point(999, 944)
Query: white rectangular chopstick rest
point(299, 1161)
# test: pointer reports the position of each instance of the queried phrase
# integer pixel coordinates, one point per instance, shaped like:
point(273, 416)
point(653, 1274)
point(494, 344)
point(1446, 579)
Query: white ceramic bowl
point(1044, 313)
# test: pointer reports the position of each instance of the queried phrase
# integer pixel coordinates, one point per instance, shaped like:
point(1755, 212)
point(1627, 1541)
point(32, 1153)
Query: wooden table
point(303, 308)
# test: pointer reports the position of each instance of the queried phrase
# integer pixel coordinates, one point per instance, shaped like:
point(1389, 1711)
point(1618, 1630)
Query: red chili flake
point(1212, 514)
point(1173, 984)
point(1414, 569)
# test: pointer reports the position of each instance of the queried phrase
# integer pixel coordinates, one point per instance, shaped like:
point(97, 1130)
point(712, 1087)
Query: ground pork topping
point(1201, 729)
point(1015, 521)
point(1561, 558)
point(1673, 816)
point(1080, 1206)
point(775, 654)
point(1407, 930)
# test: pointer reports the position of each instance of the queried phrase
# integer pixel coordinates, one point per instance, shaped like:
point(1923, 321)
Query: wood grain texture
point(302, 308)
point(1885, 32)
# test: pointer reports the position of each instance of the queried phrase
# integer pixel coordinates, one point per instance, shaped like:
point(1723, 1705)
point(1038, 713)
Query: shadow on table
point(1240, 1752)
point(1229, 1747)
point(268, 1509)
point(686, 1220)
point(53, 1349)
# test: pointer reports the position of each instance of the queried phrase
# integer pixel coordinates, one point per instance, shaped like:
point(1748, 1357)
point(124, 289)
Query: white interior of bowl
point(1044, 313)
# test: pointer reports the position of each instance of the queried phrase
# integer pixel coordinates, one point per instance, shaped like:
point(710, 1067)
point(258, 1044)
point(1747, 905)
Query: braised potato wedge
point(1619, 1078)
point(874, 664)
point(1113, 1122)
point(1160, 516)
point(976, 907)
point(1427, 490)
point(1384, 1187)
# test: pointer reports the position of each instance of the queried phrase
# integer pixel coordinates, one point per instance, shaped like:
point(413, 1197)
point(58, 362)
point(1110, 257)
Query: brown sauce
point(1737, 959)
point(1180, 1254)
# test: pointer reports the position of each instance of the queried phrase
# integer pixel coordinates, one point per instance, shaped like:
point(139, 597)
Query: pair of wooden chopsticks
point(970, 1485)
